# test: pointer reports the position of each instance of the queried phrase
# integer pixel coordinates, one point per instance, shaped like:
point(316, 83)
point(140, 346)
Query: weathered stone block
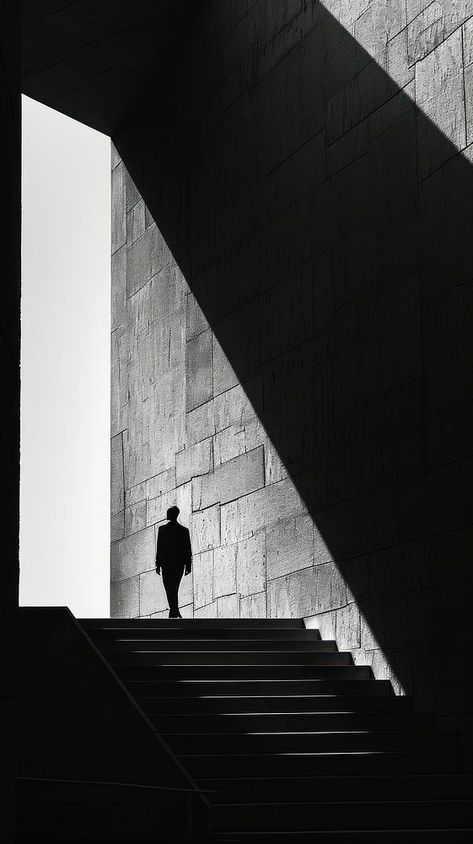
point(135, 518)
point(381, 21)
point(135, 222)
point(196, 321)
point(209, 611)
point(139, 269)
point(199, 370)
point(224, 376)
point(152, 593)
point(253, 606)
point(118, 276)
point(205, 529)
point(133, 555)
point(237, 337)
point(118, 208)
point(152, 488)
point(398, 66)
point(203, 578)
point(307, 592)
point(117, 526)
point(228, 606)
point(193, 461)
point(115, 157)
point(247, 515)
point(342, 625)
point(117, 493)
point(238, 439)
point(180, 497)
point(200, 423)
point(440, 96)
point(224, 571)
point(234, 407)
point(132, 193)
point(399, 315)
point(289, 546)
point(238, 477)
point(274, 467)
point(251, 564)
point(125, 598)
point(159, 484)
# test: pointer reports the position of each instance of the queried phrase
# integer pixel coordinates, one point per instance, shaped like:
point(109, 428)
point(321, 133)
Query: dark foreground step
point(401, 836)
point(211, 766)
point(343, 788)
point(455, 814)
point(325, 688)
point(216, 704)
point(113, 822)
point(139, 631)
point(291, 742)
point(193, 670)
point(206, 656)
point(156, 645)
point(86, 766)
point(93, 624)
point(381, 836)
point(69, 791)
point(291, 721)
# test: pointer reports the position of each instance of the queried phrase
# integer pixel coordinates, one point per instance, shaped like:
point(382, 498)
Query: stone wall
point(292, 360)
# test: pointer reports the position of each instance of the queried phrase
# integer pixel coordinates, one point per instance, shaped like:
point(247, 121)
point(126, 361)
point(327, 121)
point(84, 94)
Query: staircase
point(287, 736)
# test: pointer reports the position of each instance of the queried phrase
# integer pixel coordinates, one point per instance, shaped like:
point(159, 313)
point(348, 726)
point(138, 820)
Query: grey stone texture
point(291, 344)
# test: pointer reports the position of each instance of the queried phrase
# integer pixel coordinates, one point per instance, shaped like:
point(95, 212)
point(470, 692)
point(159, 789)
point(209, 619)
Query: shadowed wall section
point(291, 328)
point(10, 145)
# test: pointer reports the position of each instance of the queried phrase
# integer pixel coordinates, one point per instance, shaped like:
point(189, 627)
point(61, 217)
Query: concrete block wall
point(184, 432)
point(292, 217)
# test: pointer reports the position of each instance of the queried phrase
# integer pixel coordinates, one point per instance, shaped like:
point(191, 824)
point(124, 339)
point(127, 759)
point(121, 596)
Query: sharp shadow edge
point(340, 295)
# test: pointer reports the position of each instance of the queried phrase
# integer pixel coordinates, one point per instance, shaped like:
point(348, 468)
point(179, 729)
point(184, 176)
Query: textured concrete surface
point(292, 358)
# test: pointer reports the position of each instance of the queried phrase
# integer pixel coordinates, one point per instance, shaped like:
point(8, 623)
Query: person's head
point(172, 514)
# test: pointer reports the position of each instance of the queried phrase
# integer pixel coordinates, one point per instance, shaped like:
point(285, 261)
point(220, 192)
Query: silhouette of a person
point(173, 557)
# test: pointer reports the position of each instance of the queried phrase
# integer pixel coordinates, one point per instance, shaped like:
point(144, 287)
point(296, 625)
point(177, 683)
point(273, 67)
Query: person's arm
point(158, 552)
point(188, 553)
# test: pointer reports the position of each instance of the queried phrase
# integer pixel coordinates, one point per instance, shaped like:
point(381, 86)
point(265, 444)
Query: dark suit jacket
point(174, 546)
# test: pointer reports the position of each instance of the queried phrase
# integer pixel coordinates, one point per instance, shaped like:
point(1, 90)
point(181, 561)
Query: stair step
point(142, 631)
point(357, 690)
point(400, 836)
point(352, 836)
point(295, 721)
point(83, 766)
point(194, 670)
point(344, 788)
point(344, 815)
point(74, 792)
point(207, 765)
point(300, 741)
point(203, 656)
point(195, 623)
point(210, 704)
point(136, 645)
point(114, 822)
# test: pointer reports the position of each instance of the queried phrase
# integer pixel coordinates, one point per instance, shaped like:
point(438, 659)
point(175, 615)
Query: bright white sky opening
point(65, 364)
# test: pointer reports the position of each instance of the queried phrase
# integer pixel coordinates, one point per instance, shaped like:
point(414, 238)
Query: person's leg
point(171, 580)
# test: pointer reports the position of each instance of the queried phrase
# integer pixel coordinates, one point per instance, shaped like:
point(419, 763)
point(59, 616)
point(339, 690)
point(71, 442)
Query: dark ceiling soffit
point(90, 60)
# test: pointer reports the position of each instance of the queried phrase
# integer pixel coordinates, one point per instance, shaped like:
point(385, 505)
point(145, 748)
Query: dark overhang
point(90, 59)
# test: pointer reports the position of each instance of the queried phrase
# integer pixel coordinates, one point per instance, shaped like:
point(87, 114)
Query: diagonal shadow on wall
point(324, 224)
